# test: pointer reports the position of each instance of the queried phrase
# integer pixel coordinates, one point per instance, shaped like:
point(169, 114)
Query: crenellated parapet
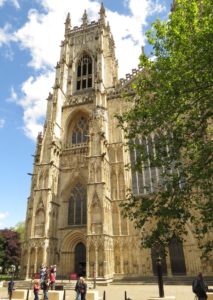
point(130, 76)
point(124, 86)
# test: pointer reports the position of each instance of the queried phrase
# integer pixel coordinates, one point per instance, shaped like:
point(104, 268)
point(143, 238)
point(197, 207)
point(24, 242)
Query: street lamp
point(160, 276)
point(13, 268)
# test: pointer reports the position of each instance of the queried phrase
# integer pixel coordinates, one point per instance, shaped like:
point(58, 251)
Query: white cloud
point(2, 2)
point(35, 91)
point(41, 36)
point(2, 123)
point(13, 2)
point(13, 95)
point(5, 34)
point(4, 215)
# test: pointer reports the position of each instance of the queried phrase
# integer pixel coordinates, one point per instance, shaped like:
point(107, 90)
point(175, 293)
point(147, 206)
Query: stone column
point(96, 262)
point(28, 263)
point(36, 259)
point(88, 263)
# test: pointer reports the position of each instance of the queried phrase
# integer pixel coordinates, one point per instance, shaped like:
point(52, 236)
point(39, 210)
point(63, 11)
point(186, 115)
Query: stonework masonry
point(79, 177)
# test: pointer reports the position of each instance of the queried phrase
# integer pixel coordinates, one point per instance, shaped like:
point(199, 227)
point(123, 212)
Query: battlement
point(129, 76)
point(124, 85)
point(83, 27)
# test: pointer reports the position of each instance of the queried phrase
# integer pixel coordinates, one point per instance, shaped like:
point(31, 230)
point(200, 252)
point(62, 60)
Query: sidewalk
point(135, 292)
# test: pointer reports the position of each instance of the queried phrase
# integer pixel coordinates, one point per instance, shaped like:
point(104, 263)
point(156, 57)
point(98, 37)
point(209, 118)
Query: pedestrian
point(10, 288)
point(36, 289)
point(77, 289)
point(199, 287)
point(82, 286)
point(45, 288)
point(43, 271)
point(52, 280)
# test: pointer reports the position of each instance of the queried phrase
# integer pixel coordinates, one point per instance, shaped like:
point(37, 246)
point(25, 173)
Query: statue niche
point(96, 216)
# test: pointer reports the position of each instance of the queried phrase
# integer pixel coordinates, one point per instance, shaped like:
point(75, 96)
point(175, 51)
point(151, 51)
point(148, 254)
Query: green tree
point(11, 249)
point(2, 249)
point(20, 228)
point(174, 102)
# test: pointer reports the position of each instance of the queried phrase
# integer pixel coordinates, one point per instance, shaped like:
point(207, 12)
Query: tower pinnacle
point(85, 18)
point(67, 24)
point(102, 13)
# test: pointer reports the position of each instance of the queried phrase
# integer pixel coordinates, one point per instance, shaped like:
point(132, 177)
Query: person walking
point(199, 287)
point(10, 288)
point(36, 289)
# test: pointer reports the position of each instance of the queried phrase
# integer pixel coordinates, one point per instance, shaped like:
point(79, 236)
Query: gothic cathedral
point(79, 177)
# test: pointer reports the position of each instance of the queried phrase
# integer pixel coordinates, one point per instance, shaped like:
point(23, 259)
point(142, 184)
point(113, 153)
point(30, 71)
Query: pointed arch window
point(84, 73)
point(77, 207)
point(80, 131)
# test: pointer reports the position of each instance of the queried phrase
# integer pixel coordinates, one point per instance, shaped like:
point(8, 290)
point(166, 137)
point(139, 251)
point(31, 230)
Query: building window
point(149, 178)
point(84, 73)
point(80, 131)
point(77, 207)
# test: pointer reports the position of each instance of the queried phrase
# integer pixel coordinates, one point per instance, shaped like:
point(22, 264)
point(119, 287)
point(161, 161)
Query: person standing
point(199, 287)
point(36, 289)
point(10, 288)
point(45, 288)
point(43, 271)
point(52, 280)
point(77, 289)
point(82, 288)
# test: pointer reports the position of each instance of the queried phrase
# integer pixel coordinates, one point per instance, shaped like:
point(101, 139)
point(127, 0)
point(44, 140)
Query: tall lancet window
point(84, 73)
point(77, 207)
point(80, 131)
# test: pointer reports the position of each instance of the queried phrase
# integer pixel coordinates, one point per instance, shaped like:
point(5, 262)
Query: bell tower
point(69, 219)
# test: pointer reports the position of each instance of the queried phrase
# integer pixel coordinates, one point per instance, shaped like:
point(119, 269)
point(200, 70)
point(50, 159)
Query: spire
point(85, 18)
point(67, 24)
point(102, 13)
point(142, 50)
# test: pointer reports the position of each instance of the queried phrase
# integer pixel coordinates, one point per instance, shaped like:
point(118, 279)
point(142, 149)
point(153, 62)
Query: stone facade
point(79, 178)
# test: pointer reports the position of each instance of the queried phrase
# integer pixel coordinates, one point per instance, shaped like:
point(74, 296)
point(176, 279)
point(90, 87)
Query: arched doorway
point(80, 259)
point(177, 259)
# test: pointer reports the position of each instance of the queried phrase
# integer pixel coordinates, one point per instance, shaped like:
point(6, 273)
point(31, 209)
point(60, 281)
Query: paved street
point(135, 292)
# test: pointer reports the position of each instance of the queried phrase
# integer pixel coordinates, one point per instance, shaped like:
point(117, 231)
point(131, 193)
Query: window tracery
point(84, 73)
point(77, 213)
point(80, 131)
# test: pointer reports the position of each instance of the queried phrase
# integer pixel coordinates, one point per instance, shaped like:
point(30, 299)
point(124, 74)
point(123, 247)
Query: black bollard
point(125, 296)
point(160, 277)
point(104, 295)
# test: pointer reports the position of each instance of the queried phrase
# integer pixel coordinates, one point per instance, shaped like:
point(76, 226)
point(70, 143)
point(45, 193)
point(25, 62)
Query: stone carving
point(80, 99)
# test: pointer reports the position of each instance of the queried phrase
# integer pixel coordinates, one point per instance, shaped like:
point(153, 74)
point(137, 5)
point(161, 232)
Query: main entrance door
point(80, 259)
point(176, 253)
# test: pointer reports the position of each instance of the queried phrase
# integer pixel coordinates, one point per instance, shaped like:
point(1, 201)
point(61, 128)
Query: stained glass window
point(77, 207)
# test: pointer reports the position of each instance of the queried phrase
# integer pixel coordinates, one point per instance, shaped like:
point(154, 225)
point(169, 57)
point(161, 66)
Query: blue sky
point(30, 35)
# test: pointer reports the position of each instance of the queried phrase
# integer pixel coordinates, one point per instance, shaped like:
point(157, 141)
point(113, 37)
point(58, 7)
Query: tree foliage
point(11, 248)
point(2, 250)
point(174, 103)
point(20, 228)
